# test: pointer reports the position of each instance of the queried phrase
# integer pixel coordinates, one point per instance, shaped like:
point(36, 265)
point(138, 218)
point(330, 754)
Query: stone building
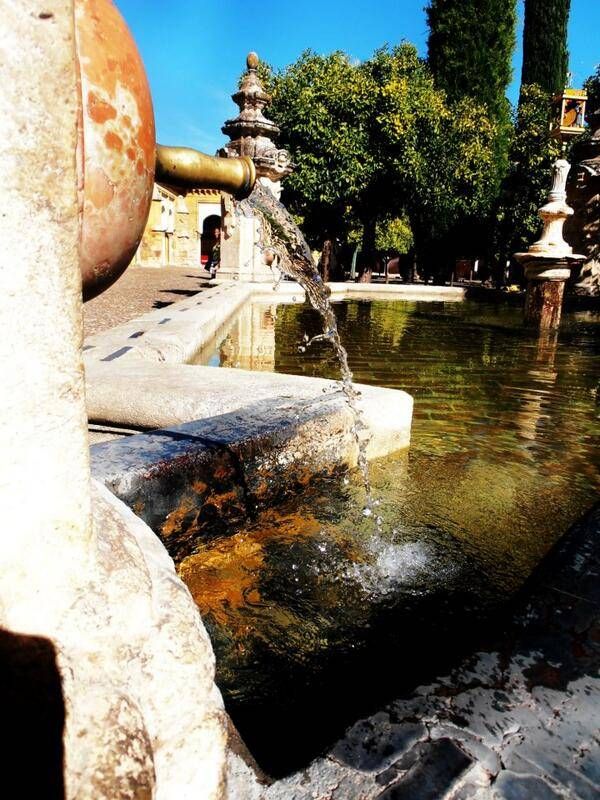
point(180, 229)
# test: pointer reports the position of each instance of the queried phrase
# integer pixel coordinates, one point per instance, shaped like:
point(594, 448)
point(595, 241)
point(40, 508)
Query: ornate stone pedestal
point(251, 134)
point(548, 261)
point(242, 256)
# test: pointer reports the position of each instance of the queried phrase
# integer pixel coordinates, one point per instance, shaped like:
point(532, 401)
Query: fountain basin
point(303, 598)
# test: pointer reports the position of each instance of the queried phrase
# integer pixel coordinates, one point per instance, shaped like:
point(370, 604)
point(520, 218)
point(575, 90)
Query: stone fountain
point(252, 136)
point(549, 261)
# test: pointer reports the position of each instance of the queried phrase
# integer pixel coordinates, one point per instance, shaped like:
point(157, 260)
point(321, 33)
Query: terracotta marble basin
point(116, 152)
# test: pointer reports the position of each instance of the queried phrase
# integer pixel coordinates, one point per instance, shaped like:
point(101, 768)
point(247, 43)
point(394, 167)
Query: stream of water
point(294, 259)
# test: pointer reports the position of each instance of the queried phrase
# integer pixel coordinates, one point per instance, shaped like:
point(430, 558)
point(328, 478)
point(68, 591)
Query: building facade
point(182, 229)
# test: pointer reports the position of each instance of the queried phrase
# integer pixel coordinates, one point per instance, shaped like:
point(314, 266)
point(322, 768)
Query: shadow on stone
point(33, 716)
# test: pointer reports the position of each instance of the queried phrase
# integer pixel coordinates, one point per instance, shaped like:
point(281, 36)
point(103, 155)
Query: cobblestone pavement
point(517, 720)
point(138, 291)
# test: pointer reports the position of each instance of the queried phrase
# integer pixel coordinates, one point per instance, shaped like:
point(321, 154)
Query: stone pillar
point(242, 257)
point(251, 134)
point(45, 476)
point(545, 292)
point(548, 261)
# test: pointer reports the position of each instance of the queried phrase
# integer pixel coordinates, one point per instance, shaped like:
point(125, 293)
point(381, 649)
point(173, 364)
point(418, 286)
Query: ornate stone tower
point(251, 134)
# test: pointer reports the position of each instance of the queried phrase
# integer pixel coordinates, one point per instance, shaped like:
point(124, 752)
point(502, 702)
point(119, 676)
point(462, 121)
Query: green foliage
point(526, 187)
point(394, 235)
point(441, 157)
point(470, 49)
point(592, 85)
point(545, 54)
point(323, 105)
point(378, 140)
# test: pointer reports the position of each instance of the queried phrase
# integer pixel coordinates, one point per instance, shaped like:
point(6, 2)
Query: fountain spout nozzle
point(184, 166)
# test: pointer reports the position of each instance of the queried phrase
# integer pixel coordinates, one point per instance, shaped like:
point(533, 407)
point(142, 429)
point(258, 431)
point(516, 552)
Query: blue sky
point(194, 51)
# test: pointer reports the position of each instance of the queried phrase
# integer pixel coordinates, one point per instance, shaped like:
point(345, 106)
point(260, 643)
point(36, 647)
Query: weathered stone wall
point(173, 231)
point(94, 624)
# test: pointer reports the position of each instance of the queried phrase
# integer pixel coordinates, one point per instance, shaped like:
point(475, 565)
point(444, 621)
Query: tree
point(378, 140)
point(470, 49)
point(592, 85)
point(323, 105)
point(545, 53)
point(394, 235)
point(526, 186)
point(439, 157)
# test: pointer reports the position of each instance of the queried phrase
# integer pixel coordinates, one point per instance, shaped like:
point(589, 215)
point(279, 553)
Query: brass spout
point(183, 166)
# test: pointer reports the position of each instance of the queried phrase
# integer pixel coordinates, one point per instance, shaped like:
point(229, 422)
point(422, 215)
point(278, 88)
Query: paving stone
point(439, 765)
point(373, 744)
point(138, 291)
point(523, 787)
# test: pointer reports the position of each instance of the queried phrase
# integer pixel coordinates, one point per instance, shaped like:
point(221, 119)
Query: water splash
point(294, 259)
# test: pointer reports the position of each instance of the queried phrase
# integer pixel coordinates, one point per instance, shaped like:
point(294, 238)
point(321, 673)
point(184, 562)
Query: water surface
point(313, 602)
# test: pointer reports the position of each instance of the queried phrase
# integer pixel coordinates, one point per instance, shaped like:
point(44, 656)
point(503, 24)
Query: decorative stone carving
point(548, 261)
point(584, 195)
point(252, 134)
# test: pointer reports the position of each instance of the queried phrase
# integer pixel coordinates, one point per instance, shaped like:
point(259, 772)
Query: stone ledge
point(253, 437)
point(142, 395)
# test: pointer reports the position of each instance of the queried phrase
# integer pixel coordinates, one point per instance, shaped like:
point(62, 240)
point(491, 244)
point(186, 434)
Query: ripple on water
point(503, 459)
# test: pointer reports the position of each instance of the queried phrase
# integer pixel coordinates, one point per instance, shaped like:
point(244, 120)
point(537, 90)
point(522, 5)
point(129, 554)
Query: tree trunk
point(326, 260)
point(368, 250)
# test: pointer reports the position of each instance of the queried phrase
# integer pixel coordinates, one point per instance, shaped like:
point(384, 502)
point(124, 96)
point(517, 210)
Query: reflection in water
point(246, 342)
point(503, 459)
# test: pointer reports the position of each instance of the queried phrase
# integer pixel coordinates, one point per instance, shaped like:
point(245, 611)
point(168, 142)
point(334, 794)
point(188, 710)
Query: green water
point(503, 459)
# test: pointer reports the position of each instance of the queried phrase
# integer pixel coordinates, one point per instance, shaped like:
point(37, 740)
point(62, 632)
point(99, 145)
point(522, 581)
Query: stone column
point(548, 261)
point(251, 134)
point(45, 477)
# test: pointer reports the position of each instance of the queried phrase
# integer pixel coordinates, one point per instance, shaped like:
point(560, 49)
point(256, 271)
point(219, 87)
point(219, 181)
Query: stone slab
point(146, 396)
point(254, 438)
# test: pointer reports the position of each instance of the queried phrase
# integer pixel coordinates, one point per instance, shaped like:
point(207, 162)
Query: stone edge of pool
point(190, 420)
point(132, 369)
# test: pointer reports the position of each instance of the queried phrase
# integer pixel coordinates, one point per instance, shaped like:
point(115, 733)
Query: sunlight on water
point(503, 459)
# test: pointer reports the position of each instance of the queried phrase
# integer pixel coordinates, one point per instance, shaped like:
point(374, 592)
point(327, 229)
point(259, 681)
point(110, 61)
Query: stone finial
point(251, 133)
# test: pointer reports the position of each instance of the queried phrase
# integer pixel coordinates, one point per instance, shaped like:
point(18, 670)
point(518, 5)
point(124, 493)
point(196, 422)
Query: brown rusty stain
point(131, 153)
point(223, 577)
point(174, 521)
point(113, 141)
point(98, 189)
point(98, 110)
point(222, 472)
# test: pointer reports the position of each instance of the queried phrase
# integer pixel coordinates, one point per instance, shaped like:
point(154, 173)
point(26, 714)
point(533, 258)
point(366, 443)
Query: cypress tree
point(470, 49)
point(545, 53)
